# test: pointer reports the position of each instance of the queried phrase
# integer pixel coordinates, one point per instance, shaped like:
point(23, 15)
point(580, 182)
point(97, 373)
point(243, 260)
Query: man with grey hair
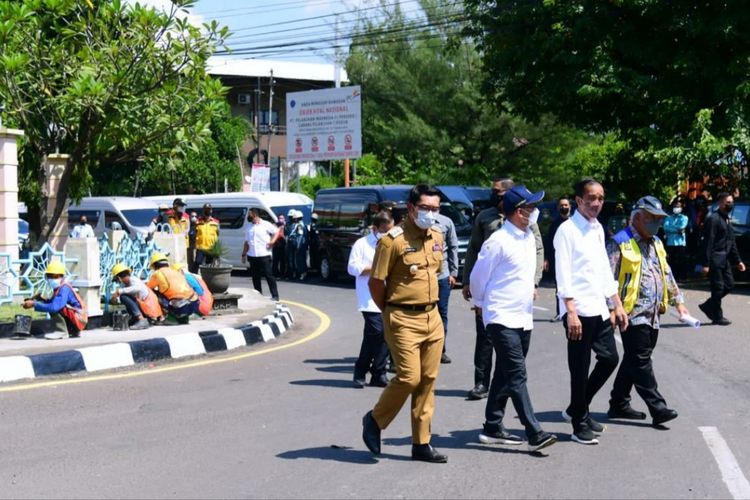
point(647, 287)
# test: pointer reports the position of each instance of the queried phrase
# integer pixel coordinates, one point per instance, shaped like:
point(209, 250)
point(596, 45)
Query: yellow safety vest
point(179, 225)
point(206, 233)
point(629, 279)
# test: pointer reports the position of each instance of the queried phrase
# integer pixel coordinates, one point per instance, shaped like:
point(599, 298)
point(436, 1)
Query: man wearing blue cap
point(502, 286)
point(647, 287)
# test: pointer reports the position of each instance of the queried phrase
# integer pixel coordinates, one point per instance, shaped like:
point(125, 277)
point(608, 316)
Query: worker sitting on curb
point(175, 295)
point(64, 306)
point(139, 300)
point(205, 297)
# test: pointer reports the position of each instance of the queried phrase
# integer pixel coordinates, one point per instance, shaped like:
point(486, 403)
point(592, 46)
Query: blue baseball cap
point(652, 205)
point(519, 196)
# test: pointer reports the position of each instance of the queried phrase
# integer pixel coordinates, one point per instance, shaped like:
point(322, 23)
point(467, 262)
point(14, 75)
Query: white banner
point(324, 124)
point(261, 178)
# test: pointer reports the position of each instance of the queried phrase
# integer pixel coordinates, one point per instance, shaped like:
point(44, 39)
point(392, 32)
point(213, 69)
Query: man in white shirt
point(584, 283)
point(374, 351)
point(82, 229)
point(502, 286)
point(260, 237)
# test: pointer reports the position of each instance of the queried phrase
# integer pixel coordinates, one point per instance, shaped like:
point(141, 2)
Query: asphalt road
point(287, 423)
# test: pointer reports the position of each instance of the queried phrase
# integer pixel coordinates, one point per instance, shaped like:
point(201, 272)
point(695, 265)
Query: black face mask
point(207, 214)
point(728, 207)
point(564, 211)
point(495, 199)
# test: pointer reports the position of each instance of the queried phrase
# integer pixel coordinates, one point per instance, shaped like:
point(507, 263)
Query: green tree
point(199, 171)
point(669, 79)
point(106, 82)
point(425, 112)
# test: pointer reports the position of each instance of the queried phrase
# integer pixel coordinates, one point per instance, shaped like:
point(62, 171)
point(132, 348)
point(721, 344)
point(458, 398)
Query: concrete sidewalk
point(260, 320)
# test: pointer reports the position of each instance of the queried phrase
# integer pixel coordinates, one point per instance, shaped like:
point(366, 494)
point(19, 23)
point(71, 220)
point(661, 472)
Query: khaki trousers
point(415, 340)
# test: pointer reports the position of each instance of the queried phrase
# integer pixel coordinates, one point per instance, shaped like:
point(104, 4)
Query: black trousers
point(511, 346)
point(374, 351)
point(598, 336)
point(259, 267)
point(678, 261)
point(638, 342)
point(200, 258)
point(482, 354)
point(722, 282)
point(279, 258)
point(444, 296)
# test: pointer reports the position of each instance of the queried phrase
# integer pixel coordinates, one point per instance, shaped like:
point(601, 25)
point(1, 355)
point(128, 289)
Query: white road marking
point(731, 473)
point(540, 308)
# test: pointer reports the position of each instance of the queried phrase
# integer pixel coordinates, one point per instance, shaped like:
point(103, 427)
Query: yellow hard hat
point(157, 257)
point(55, 267)
point(118, 268)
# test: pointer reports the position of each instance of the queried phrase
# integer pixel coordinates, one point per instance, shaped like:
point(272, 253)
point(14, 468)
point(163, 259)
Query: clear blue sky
point(259, 26)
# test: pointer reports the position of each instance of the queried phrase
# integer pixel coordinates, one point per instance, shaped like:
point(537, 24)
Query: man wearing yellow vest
point(206, 234)
point(178, 219)
point(175, 295)
point(646, 287)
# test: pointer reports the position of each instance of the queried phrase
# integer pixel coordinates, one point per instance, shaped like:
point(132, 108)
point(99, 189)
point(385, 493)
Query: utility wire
point(406, 29)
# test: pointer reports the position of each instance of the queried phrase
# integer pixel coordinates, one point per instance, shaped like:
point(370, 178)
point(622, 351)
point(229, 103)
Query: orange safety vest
point(171, 284)
point(205, 301)
point(150, 306)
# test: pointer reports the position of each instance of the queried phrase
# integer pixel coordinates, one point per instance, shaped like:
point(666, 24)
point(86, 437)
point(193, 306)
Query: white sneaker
point(54, 336)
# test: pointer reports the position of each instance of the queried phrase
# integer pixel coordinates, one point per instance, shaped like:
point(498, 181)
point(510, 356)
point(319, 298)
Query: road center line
point(731, 472)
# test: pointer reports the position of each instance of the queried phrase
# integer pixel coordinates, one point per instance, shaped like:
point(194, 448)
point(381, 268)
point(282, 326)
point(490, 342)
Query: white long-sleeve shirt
point(360, 258)
point(582, 267)
point(82, 231)
point(258, 236)
point(502, 280)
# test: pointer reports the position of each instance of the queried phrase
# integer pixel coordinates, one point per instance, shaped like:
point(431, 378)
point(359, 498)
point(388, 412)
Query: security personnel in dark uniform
point(403, 284)
point(718, 255)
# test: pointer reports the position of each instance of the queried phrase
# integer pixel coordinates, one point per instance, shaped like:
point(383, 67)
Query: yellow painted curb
point(325, 323)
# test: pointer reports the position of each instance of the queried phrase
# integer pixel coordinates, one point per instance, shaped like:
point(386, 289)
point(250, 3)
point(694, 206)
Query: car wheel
point(325, 268)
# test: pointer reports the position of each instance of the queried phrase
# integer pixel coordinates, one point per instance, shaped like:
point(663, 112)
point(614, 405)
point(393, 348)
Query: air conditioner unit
point(243, 98)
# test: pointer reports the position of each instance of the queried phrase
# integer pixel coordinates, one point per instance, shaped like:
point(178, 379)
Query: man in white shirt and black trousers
point(374, 351)
point(502, 286)
point(584, 283)
point(260, 237)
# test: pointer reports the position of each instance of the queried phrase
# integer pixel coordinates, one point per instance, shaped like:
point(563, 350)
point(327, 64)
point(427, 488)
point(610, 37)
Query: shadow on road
point(349, 361)
point(333, 452)
point(335, 369)
point(325, 382)
point(451, 393)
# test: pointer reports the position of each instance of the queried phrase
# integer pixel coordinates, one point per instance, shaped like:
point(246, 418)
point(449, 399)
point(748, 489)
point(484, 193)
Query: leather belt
point(413, 307)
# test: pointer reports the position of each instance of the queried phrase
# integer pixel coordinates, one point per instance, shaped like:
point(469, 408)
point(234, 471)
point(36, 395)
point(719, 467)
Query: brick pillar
point(55, 167)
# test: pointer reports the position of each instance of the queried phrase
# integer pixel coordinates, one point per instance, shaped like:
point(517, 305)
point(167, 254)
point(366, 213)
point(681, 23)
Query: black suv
point(345, 215)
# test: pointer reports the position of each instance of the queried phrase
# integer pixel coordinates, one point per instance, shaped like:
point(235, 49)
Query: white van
point(231, 211)
point(133, 214)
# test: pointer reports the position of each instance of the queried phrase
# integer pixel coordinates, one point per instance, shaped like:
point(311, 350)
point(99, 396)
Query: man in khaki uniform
point(403, 283)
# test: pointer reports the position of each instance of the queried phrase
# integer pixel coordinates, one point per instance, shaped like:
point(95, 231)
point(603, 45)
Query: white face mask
point(533, 217)
point(425, 219)
point(677, 210)
point(378, 235)
point(54, 283)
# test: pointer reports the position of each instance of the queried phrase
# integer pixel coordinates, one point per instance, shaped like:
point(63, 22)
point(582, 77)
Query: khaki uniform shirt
point(408, 259)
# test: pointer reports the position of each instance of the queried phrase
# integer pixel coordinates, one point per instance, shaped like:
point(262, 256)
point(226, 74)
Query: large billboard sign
point(324, 124)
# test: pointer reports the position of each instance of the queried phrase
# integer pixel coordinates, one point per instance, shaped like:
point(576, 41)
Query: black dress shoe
point(379, 381)
point(371, 433)
point(664, 416)
point(445, 360)
point(426, 453)
point(478, 392)
point(627, 413)
point(722, 321)
point(359, 383)
point(704, 307)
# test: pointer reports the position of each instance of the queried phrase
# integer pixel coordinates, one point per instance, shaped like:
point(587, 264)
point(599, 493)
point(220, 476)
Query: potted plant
point(217, 274)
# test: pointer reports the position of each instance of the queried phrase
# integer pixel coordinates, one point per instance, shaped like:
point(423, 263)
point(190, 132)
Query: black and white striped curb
point(108, 356)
